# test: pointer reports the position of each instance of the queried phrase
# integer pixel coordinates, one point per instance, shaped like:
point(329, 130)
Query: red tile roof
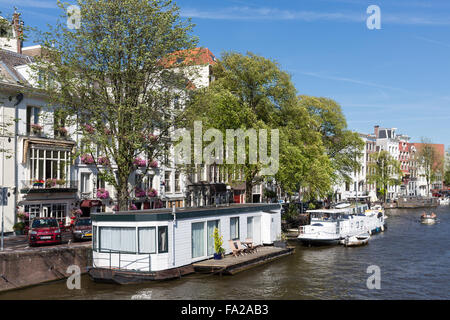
point(191, 57)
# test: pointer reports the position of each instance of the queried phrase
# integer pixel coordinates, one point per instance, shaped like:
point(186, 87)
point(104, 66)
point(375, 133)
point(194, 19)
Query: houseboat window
point(234, 228)
point(163, 239)
point(117, 239)
point(198, 239)
point(250, 227)
point(147, 240)
point(211, 226)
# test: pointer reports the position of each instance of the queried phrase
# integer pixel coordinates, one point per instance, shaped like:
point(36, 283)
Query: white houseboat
point(330, 226)
point(135, 246)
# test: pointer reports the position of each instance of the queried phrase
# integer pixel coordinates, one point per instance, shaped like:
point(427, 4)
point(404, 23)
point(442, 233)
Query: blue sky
point(394, 77)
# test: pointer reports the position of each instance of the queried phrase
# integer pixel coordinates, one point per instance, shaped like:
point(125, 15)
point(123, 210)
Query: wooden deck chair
point(235, 248)
point(242, 248)
point(251, 247)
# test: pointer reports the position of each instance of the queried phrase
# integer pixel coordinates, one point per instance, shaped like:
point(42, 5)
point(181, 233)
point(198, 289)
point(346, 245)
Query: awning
point(218, 187)
point(90, 203)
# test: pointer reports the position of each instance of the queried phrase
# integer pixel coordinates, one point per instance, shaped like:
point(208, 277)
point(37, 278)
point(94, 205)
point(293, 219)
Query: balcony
point(48, 186)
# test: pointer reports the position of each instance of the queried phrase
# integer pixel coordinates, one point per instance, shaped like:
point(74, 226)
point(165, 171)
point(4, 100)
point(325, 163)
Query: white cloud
point(246, 13)
point(43, 4)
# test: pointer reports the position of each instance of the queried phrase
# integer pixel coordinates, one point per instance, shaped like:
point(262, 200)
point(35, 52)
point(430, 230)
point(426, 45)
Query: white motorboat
point(428, 218)
point(354, 241)
point(330, 226)
point(444, 201)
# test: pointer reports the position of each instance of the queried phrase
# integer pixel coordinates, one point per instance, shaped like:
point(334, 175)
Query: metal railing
point(49, 184)
point(120, 266)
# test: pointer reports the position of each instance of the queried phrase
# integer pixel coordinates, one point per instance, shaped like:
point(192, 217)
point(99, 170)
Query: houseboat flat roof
point(328, 211)
point(184, 213)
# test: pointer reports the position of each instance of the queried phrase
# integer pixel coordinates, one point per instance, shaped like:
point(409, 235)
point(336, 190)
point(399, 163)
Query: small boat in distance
point(354, 241)
point(428, 218)
point(444, 201)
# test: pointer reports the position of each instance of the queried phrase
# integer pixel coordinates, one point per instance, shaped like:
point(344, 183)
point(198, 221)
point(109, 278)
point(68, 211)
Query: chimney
point(18, 29)
point(377, 128)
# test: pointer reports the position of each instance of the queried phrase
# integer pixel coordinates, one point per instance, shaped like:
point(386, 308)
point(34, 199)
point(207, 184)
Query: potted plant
point(36, 129)
point(140, 193)
point(218, 242)
point(139, 162)
point(102, 194)
point(103, 161)
point(87, 159)
point(152, 193)
point(50, 183)
point(62, 132)
point(60, 182)
point(18, 228)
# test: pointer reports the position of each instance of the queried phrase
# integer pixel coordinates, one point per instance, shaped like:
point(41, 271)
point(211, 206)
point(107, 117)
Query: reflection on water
point(413, 259)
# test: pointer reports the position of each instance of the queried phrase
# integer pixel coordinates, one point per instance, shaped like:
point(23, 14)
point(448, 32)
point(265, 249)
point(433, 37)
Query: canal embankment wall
point(23, 268)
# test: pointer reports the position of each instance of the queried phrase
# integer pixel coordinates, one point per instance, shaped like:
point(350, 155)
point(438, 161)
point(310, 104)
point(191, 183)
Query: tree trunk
point(122, 191)
point(249, 191)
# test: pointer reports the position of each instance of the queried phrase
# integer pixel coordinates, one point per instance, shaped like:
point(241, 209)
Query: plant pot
point(217, 256)
point(18, 232)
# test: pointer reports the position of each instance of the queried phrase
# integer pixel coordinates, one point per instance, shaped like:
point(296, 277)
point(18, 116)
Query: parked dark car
point(82, 229)
point(44, 231)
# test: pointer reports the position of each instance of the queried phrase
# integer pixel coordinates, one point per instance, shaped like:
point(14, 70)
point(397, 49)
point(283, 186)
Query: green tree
point(342, 146)
point(112, 77)
point(304, 164)
point(430, 162)
point(385, 171)
point(248, 93)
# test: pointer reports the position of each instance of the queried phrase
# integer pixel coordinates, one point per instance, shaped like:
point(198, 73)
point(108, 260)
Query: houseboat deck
point(231, 265)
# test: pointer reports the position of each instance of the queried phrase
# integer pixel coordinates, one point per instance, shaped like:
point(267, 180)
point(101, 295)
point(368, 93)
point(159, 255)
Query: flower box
point(140, 162)
point(102, 194)
point(152, 193)
point(87, 159)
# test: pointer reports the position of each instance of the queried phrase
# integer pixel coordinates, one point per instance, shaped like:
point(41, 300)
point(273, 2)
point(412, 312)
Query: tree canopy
point(110, 78)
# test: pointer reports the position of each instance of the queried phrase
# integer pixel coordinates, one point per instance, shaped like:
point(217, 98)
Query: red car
point(44, 231)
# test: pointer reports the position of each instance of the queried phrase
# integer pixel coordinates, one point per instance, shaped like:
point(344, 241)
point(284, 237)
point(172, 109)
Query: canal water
point(414, 262)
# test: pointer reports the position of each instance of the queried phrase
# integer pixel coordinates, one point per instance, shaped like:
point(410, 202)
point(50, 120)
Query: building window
point(117, 239)
point(163, 237)
point(234, 228)
point(167, 181)
point(49, 164)
point(177, 182)
point(198, 239)
point(147, 240)
point(33, 114)
point(100, 183)
point(86, 182)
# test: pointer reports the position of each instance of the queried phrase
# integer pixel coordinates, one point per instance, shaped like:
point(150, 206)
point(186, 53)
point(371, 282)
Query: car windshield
point(84, 222)
point(44, 223)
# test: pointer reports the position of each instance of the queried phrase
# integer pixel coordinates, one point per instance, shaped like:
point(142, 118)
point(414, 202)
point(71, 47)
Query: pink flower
point(140, 162)
point(87, 159)
point(36, 127)
point(133, 207)
point(153, 164)
point(140, 193)
point(103, 161)
point(152, 193)
point(102, 194)
point(89, 128)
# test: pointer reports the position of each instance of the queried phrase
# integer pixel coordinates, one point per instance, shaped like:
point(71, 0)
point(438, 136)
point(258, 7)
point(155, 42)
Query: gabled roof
point(9, 60)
